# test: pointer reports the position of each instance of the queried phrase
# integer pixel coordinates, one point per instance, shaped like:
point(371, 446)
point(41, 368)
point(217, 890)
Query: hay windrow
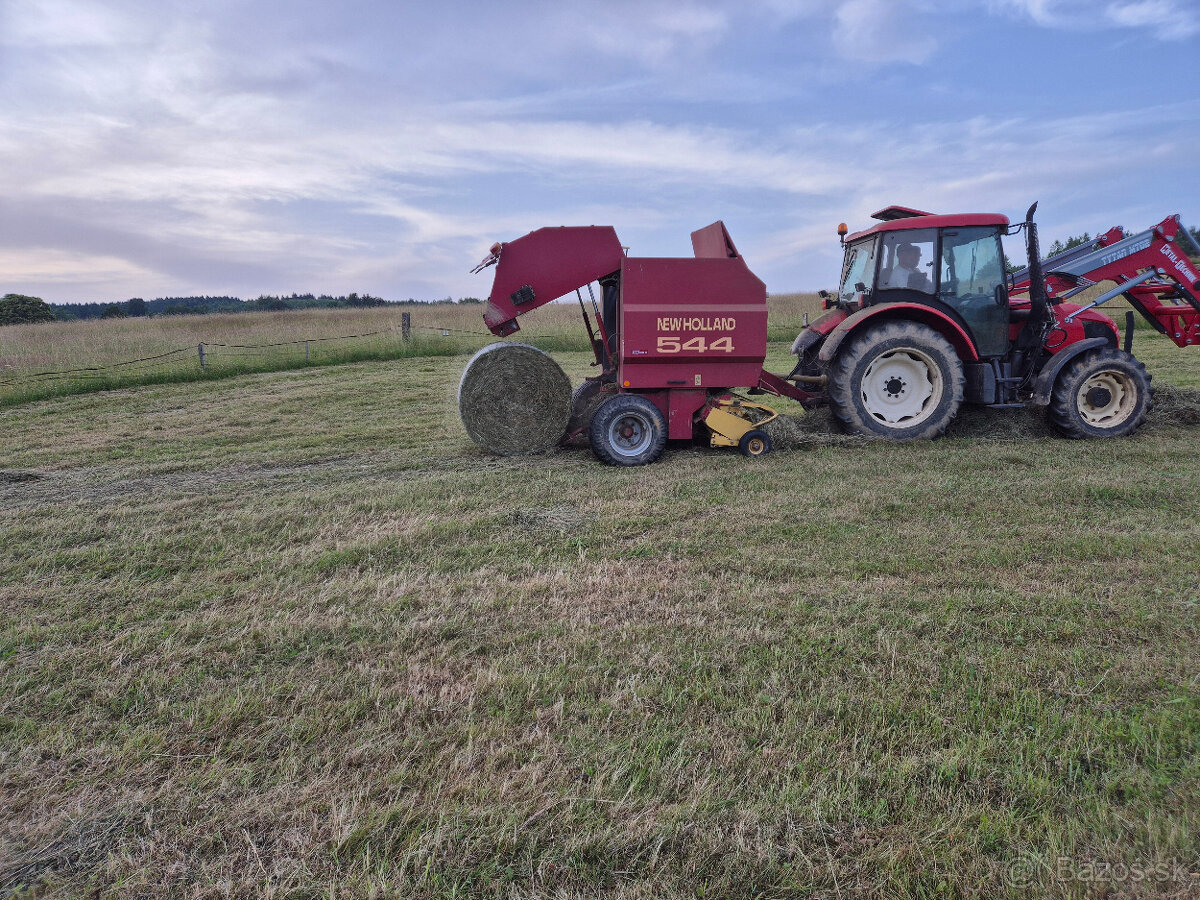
point(514, 399)
point(1175, 406)
point(814, 429)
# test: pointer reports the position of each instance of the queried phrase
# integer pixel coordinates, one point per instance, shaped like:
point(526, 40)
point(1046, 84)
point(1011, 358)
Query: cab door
point(971, 281)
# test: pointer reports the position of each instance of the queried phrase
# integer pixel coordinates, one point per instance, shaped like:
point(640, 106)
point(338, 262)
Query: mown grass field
point(292, 635)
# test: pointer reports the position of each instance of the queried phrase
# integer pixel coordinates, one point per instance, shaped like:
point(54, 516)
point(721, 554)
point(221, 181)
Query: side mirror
point(1001, 296)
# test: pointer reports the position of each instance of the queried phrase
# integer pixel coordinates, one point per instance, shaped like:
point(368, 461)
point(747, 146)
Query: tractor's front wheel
point(899, 380)
point(1103, 393)
point(628, 430)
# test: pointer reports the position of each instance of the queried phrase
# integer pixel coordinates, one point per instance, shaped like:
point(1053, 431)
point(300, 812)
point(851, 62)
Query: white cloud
point(67, 23)
point(657, 35)
point(880, 31)
point(104, 273)
point(1169, 21)
point(217, 199)
point(1050, 13)
point(1165, 19)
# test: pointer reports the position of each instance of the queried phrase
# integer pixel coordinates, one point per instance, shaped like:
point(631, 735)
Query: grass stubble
point(294, 635)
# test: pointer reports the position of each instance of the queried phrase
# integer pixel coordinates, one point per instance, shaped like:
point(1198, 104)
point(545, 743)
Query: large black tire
point(585, 400)
point(628, 430)
point(1102, 393)
point(899, 380)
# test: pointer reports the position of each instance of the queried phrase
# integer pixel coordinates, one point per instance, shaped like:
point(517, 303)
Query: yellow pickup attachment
point(733, 425)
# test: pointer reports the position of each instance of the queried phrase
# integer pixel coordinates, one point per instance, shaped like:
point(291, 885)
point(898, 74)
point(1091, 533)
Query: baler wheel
point(899, 380)
point(628, 430)
point(1102, 393)
point(755, 443)
point(585, 400)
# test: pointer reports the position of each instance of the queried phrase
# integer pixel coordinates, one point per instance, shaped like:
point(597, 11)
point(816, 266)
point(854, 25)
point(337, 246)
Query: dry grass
point(293, 635)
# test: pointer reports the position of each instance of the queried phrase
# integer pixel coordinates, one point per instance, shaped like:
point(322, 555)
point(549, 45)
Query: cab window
point(859, 266)
point(908, 258)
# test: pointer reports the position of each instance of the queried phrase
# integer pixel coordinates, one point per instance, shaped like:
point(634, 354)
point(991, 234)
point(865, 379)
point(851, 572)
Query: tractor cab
point(954, 264)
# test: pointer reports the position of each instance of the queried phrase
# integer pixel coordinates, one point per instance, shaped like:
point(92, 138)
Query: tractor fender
point(1044, 384)
point(815, 333)
point(915, 312)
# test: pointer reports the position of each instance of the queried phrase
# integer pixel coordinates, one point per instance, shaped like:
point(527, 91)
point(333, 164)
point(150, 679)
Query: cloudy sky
point(225, 147)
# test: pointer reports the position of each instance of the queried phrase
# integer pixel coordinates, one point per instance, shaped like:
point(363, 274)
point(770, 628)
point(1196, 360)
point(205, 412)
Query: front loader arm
point(1151, 269)
point(544, 265)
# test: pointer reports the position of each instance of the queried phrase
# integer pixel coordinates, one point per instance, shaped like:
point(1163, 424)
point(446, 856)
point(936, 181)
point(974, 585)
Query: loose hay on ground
point(514, 399)
point(1175, 406)
point(815, 429)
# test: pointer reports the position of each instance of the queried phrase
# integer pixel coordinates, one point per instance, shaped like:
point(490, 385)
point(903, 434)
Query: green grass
point(292, 635)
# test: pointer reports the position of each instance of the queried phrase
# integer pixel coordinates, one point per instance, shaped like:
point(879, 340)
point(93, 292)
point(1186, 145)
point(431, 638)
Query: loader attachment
point(1151, 269)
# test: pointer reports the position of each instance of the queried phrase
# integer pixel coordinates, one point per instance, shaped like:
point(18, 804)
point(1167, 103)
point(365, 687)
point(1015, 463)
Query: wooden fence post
point(200, 350)
point(306, 351)
point(406, 326)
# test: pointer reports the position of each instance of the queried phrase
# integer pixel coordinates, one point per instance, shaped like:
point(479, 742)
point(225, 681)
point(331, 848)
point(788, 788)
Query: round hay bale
point(514, 399)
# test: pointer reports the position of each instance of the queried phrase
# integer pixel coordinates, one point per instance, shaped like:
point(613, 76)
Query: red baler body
point(693, 324)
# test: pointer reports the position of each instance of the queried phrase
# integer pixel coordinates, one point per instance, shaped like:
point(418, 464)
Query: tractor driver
point(905, 273)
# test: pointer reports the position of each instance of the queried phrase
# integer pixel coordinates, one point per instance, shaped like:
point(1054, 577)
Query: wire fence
point(208, 355)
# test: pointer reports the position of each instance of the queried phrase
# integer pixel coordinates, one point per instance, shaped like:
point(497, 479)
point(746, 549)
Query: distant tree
point(469, 300)
point(135, 307)
point(18, 309)
point(1195, 233)
point(1072, 242)
point(354, 300)
point(112, 311)
point(271, 304)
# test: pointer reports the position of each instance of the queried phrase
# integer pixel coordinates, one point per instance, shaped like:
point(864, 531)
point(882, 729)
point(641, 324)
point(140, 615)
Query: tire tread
point(1062, 414)
point(842, 400)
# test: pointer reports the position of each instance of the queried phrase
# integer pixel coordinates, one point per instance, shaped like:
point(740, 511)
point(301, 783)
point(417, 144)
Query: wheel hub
point(630, 434)
point(1107, 398)
point(902, 387)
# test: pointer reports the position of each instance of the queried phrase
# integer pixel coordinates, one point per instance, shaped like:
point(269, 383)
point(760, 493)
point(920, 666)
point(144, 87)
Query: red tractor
point(925, 318)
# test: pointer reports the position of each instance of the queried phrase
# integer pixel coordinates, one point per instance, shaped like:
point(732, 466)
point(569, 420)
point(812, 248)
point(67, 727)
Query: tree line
point(18, 309)
point(1079, 240)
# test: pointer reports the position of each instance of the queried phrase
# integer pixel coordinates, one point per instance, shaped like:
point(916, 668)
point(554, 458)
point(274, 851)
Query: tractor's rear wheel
point(628, 430)
point(899, 380)
point(1103, 393)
